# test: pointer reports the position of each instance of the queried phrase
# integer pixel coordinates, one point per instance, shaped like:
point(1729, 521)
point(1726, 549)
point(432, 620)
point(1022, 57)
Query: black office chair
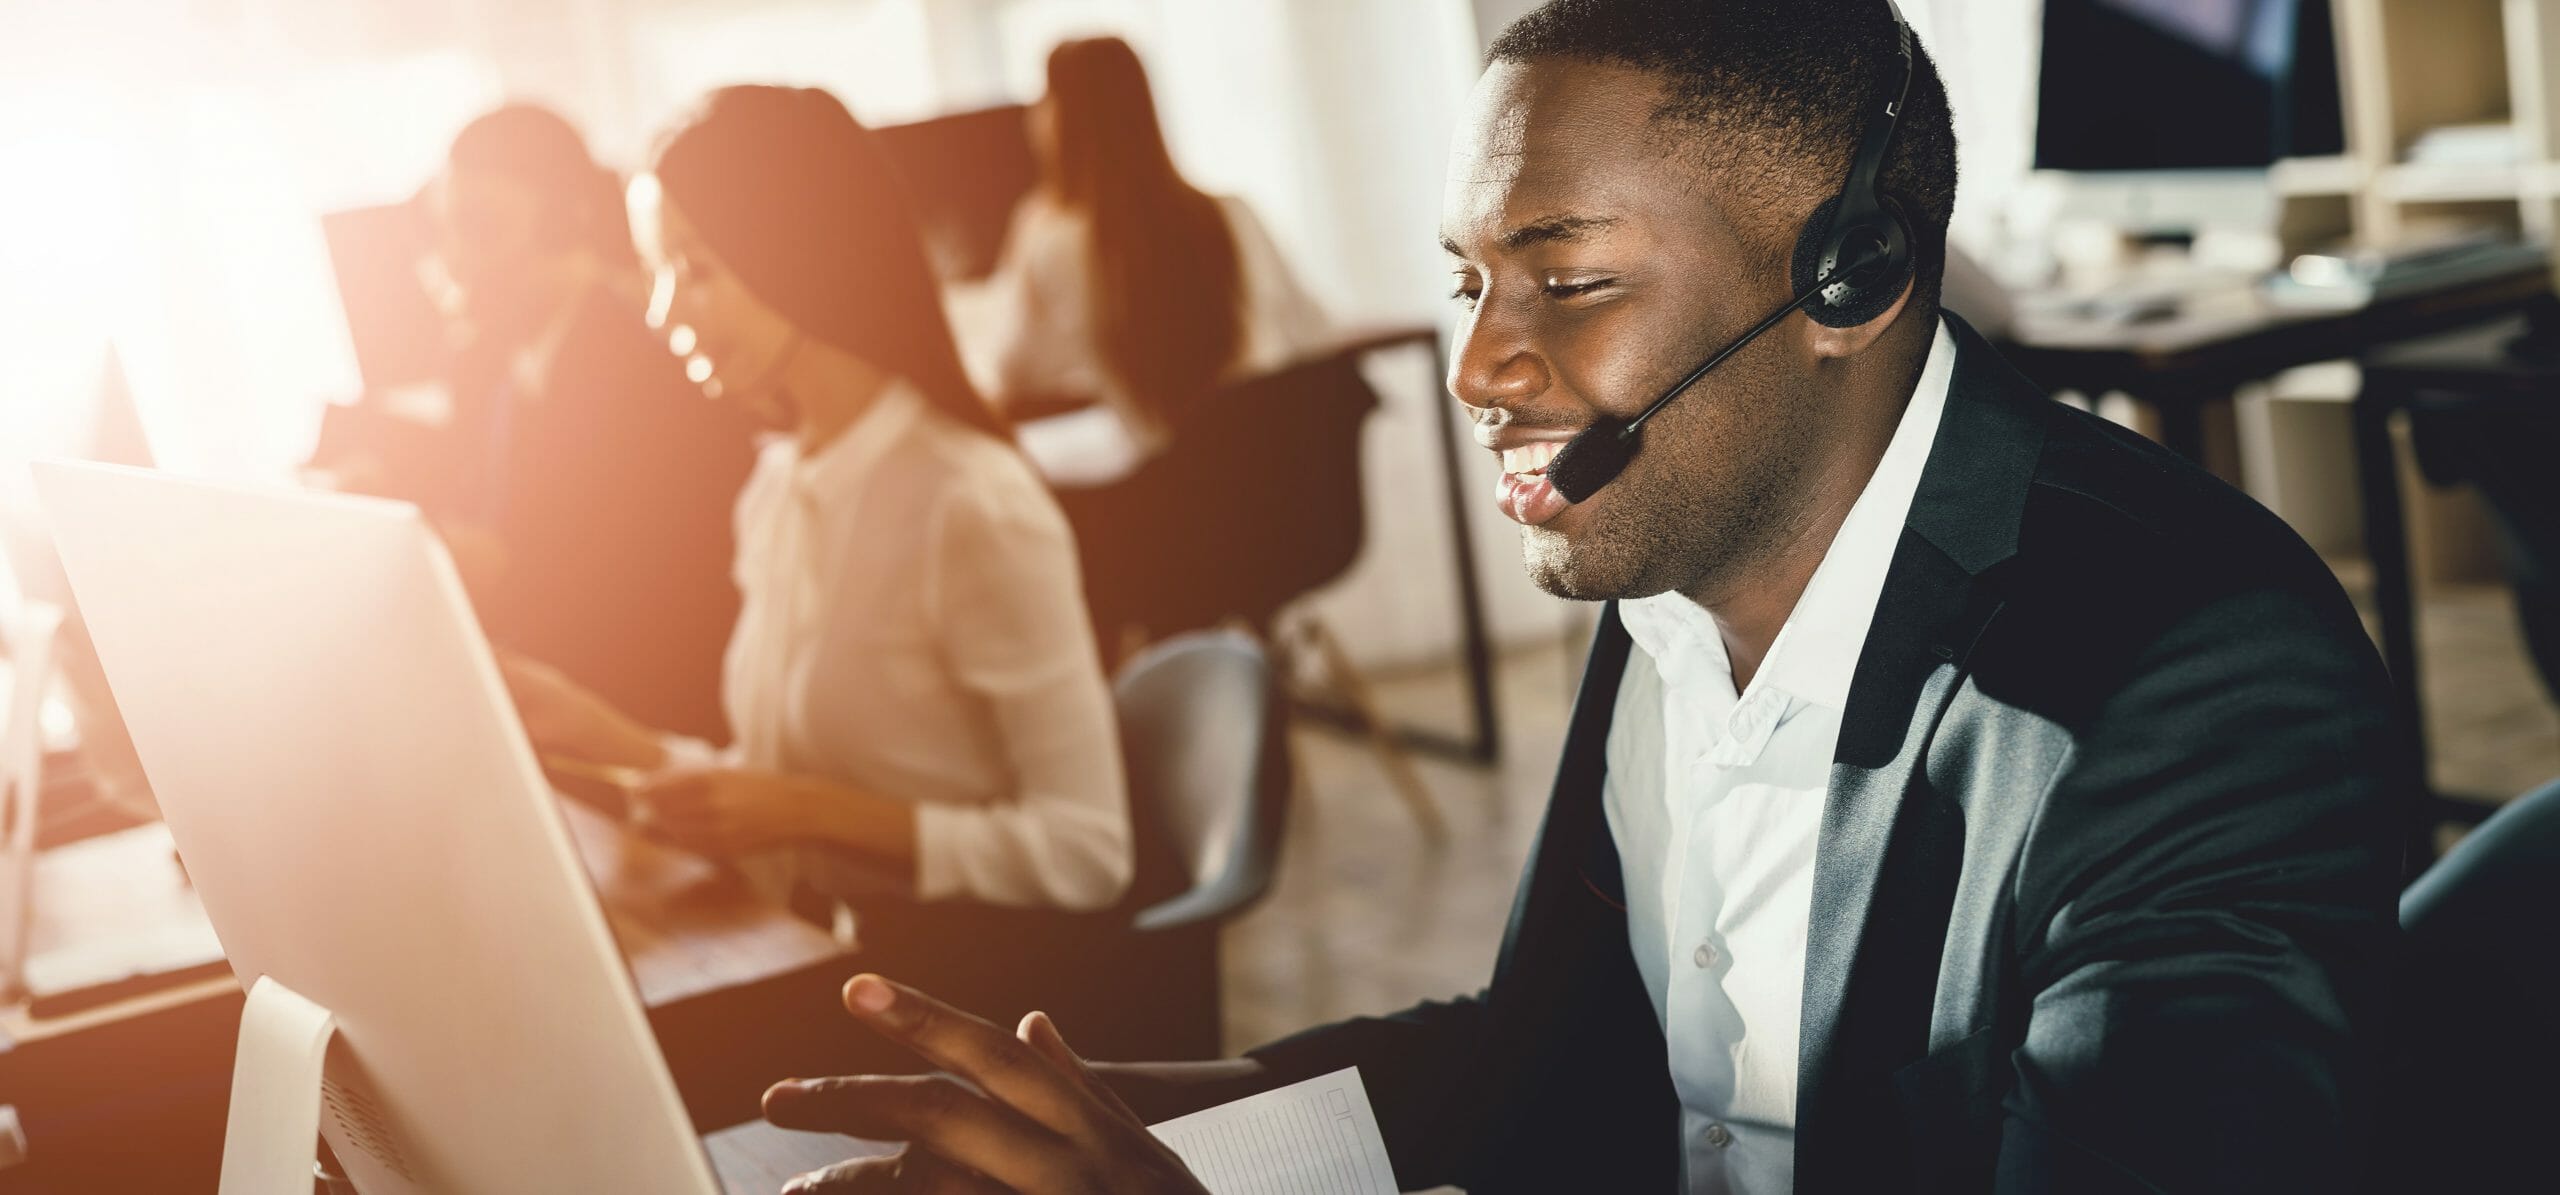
point(1205, 738)
point(1258, 503)
point(2475, 1075)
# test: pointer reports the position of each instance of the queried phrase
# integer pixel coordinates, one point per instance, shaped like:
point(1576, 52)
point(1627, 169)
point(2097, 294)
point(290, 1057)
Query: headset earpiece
point(1860, 223)
point(1866, 292)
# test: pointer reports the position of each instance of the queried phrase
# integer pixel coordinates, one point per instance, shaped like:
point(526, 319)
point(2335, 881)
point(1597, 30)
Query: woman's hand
point(1025, 1114)
point(728, 811)
point(562, 717)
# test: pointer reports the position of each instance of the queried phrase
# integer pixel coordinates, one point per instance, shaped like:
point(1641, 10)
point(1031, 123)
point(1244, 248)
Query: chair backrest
point(1258, 501)
point(2474, 1042)
point(1202, 728)
point(1279, 456)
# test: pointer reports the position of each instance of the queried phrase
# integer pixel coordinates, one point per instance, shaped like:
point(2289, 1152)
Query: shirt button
point(1719, 1136)
point(1705, 956)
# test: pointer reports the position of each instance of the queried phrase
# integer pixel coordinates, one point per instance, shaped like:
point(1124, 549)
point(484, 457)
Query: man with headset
point(1964, 794)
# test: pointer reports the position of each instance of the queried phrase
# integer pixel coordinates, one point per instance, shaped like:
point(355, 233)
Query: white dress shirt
point(1715, 802)
point(1031, 329)
point(913, 626)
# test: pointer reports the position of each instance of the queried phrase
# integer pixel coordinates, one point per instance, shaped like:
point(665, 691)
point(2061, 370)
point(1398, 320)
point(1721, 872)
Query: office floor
point(1367, 917)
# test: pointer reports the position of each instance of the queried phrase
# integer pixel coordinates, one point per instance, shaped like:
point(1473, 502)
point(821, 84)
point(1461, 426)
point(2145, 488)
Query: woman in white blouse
point(912, 684)
point(1122, 282)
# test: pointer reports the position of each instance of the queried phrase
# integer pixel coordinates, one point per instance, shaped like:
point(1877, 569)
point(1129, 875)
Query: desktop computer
point(432, 978)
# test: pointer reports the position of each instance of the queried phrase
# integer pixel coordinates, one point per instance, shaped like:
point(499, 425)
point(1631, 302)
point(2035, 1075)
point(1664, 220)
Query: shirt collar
point(1816, 652)
point(846, 460)
point(1679, 636)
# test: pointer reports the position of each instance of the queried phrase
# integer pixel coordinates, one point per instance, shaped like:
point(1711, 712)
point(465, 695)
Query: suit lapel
point(1573, 852)
point(1890, 850)
point(1885, 870)
point(1581, 1054)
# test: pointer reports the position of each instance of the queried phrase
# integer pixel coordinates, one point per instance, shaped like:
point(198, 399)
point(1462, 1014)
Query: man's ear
point(1839, 343)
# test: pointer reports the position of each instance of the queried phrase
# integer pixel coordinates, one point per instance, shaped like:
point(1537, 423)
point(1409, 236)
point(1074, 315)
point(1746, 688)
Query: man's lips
point(1524, 493)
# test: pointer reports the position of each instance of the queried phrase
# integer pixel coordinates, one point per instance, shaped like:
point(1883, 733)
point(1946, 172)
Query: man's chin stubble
point(1557, 568)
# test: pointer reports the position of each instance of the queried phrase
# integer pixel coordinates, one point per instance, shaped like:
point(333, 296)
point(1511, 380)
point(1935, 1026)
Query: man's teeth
point(1530, 458)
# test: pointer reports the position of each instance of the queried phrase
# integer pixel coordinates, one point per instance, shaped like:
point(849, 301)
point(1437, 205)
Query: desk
point(756, 1158)
point(739, 992)
point(2468, 371)
point(2179, 365)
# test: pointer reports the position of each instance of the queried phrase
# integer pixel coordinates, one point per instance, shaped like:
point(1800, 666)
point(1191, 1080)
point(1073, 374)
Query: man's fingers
point(932, 1111)
point(1007, 1069)
point(1041, 1034)
point(908, 1172)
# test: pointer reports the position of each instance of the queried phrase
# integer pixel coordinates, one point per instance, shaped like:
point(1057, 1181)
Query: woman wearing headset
point(921, 721)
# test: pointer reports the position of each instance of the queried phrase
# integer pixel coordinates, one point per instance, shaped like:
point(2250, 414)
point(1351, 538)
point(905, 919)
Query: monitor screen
point(400, 338)
point(965, 173)
point(2186, 84)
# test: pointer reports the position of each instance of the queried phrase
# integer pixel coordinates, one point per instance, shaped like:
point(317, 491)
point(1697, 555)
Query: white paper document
point(1312, 1138)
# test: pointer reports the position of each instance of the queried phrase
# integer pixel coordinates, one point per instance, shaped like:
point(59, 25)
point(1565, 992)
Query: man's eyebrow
point(1554, 228)
point(1543, 230)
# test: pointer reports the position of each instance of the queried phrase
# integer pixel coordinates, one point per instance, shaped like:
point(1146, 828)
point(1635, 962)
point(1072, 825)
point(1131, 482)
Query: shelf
point(2433, 182)
point(2310, 177)
point(2541, 180)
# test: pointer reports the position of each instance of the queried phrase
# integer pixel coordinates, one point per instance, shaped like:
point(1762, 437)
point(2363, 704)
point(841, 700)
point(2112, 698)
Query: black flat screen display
point(2186, 84)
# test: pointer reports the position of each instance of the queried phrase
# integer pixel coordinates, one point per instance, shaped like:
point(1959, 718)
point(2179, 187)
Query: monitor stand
point(271, 1142)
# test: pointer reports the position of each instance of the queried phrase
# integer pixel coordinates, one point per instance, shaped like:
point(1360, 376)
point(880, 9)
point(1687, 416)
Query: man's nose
point(1495, 366)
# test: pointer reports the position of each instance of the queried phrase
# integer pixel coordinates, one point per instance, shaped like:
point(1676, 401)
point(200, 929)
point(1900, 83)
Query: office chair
point(1258, 503)
point(2471, 1091)
point(1205, 734)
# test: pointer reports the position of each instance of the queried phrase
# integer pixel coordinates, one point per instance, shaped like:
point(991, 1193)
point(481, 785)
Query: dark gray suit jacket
point(2104, 893)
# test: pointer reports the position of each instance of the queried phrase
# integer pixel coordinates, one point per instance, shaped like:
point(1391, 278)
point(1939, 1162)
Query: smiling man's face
point(1598, 262)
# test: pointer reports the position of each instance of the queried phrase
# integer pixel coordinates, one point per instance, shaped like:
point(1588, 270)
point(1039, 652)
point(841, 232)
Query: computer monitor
point(104, 427)
point(345, 778)
point(2173, 109)
point(398, 335)
point(2186, 84)
point(964, 173)
point(29, 635)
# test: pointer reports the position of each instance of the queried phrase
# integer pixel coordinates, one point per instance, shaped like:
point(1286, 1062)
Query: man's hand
point(1030, 1118)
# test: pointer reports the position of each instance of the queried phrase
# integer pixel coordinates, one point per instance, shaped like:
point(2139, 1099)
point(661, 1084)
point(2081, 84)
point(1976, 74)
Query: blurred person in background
point(579, 479)
point(1123, 283)
point(926, 747)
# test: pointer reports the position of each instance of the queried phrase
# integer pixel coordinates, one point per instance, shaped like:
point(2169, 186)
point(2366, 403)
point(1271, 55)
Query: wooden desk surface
point(756, 1158)
point(739, 991)
point(2235, 334)
point(688, 927)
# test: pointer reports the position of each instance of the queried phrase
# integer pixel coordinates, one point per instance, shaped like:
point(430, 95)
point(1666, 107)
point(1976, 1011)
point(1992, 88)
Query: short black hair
point(1773, 94)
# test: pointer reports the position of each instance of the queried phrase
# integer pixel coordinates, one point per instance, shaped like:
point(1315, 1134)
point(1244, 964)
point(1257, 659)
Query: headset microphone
point(1857, 232)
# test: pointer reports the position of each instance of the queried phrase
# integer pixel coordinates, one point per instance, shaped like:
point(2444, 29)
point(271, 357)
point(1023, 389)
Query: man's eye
point(1567, 290)
point(1465, 294)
